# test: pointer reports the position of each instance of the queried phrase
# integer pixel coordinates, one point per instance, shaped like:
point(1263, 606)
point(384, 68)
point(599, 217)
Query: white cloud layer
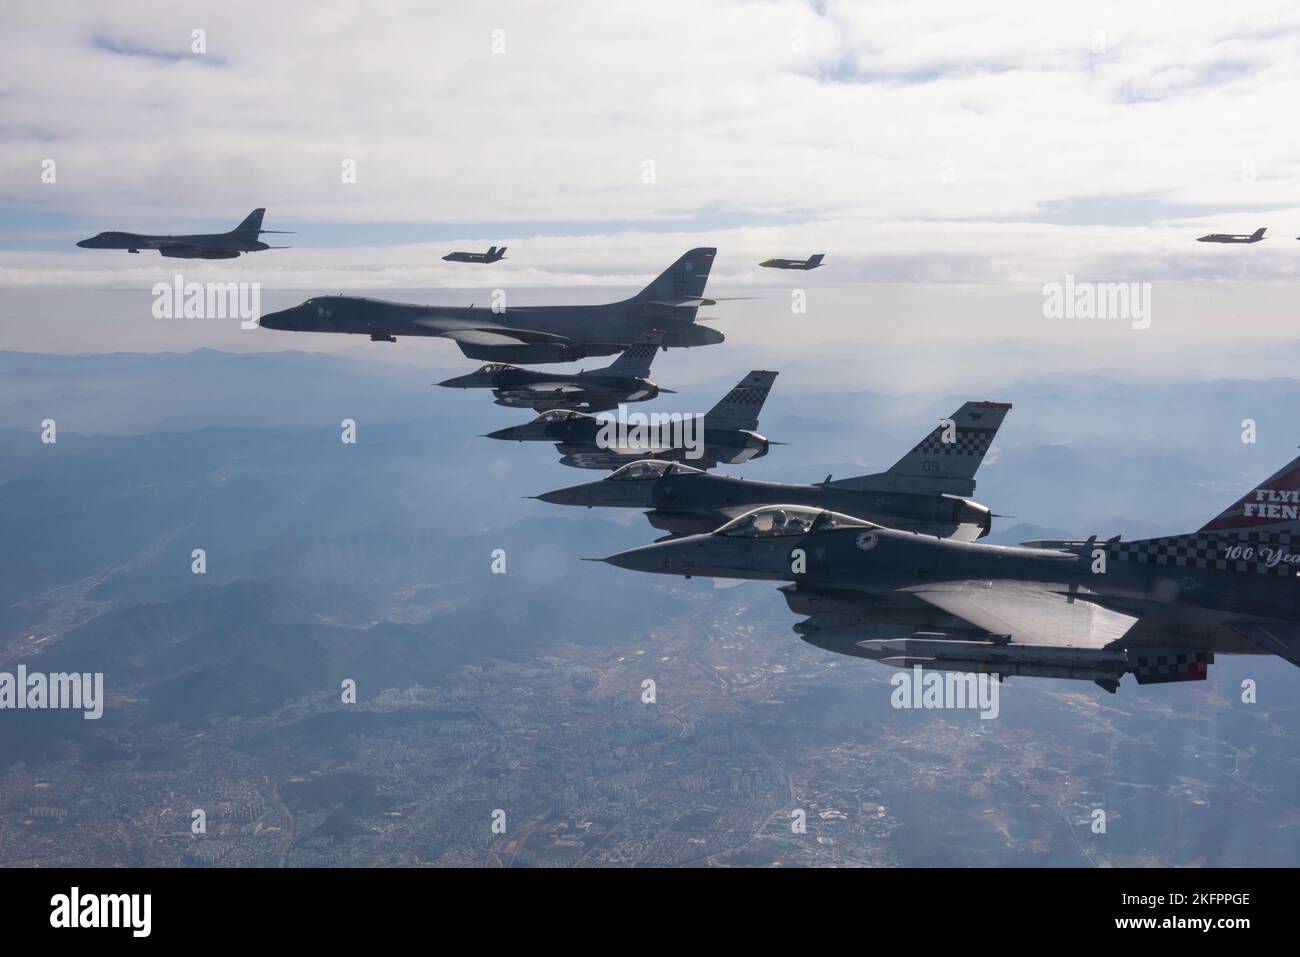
point(948, 141)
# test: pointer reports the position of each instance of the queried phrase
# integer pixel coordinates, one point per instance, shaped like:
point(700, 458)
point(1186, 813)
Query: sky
point(998, 146)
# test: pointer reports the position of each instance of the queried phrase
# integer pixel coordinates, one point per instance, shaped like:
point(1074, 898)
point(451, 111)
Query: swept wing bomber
point(242, 239)
point(527, 334)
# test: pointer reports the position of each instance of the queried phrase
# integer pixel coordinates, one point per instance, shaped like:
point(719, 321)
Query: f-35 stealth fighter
point(1160, 608)
point(492, 255)
point(1254, 237)
point(624, 380)
point(812, 262)
point(527, 334)
point(242, 239)
point(725, 434)
point(923, 492)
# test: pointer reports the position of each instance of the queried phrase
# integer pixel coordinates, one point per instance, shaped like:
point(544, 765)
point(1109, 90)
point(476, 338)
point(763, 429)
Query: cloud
point(914, 142)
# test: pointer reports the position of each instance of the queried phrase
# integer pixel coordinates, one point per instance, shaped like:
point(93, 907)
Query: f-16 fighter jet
point(624, 380)
point(1254, 237)
point(923, 492)
point(527, 334)
point(241, 239)
point(812, 262)
point(492, 255)
point(727, 433)
point(1161, 608)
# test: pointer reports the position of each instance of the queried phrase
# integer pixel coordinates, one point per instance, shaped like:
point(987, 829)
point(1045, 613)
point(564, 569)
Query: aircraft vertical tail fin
point(1258, 234)
point(681, 282)
point(500, 253)
point(955, 448)
point(1257, 534)
point(252, 223)
point(816, 260)
point(635, 359)
point(1271, 507)
point(946, 460)
point(740, 407)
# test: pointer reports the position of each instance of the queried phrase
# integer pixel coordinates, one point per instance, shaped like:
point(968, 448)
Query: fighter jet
point(492, 255)
point(1254, 237)
point(527, 334)
point(624, 380)
point(924, 491)
point(1160, 608)
point(726, 434)
point(812, 262)
point(241, 239)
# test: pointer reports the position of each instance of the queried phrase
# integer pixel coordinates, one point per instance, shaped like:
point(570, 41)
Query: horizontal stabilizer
point(1281, 639)
point(689, 303)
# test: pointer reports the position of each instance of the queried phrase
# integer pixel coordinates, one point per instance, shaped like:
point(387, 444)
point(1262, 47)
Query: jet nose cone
point(84, 244)
point(501, 434)
point(560, 496)
point(457, 382)
point(275, 320)
point(647, 558)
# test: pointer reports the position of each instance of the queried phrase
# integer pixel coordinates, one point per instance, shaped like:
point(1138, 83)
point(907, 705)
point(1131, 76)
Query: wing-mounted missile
point(992, 655)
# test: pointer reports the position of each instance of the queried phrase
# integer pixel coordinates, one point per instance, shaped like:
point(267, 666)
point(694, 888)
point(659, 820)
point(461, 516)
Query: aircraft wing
point(958, 532)
point(1279, 638)
point(1031, 613)
point(166, 246)
point(492, 335)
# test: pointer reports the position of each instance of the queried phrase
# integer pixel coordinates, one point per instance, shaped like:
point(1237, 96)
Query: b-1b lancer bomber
point(527, 334)
point(727, 433)
point(626, 379)
point(1160, 608)
point(923, 492)
point(242, 239)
